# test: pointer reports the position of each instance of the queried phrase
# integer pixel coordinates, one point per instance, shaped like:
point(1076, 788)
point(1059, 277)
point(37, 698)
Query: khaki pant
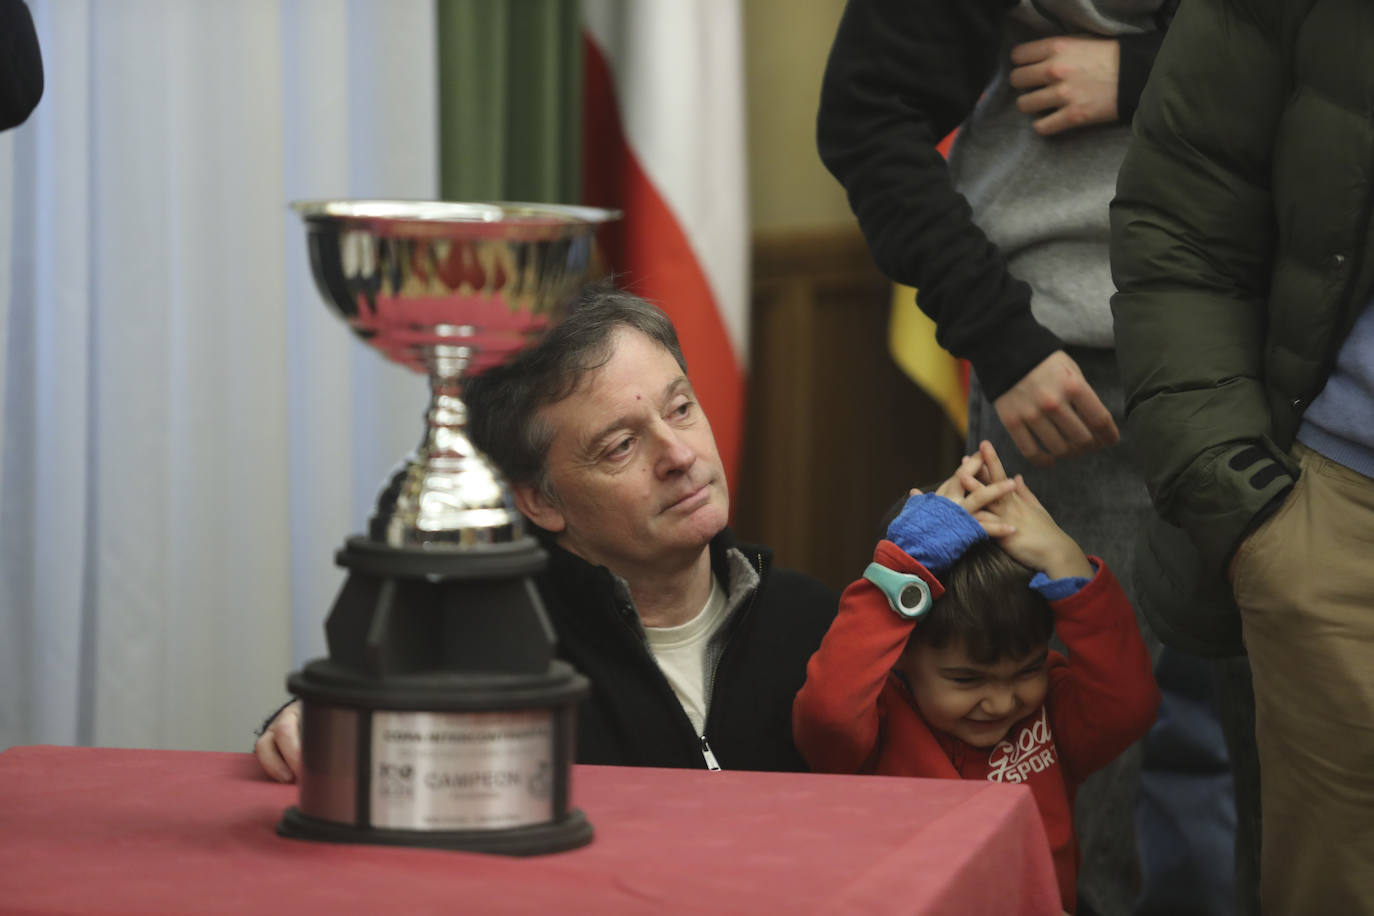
point(1305, 585)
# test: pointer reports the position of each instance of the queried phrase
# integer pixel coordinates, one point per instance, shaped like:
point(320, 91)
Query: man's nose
point(675, 453)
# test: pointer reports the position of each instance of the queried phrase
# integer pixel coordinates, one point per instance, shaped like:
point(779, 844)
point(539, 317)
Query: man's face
point(978, 704)
point(639, 486)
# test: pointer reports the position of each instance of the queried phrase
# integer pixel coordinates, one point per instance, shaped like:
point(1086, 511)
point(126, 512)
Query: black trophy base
point(569, 832)
point(440, 665)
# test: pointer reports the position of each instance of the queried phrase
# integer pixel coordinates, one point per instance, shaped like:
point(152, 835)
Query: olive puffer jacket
point(1241, 250)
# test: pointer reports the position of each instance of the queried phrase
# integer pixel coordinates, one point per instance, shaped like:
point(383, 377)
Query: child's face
point(978, 704)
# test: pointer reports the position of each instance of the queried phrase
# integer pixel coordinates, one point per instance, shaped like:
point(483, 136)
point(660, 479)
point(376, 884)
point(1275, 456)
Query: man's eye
point(683, 409)
point(620, 448)
point(967, 681)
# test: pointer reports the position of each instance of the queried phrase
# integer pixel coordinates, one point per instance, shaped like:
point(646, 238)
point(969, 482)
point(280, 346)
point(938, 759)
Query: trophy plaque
point(440, 716)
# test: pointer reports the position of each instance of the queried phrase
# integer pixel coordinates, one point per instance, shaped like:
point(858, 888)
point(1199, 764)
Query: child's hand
point(935, 529)
point(1017, 520)
point(974, 470)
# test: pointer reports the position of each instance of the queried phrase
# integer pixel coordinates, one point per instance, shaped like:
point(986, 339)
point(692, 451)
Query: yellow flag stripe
point(911, 340)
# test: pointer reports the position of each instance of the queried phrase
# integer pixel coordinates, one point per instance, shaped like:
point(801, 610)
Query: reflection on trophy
point(440, 717)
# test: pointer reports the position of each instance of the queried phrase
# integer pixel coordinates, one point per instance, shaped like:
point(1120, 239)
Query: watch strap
point(907, 594)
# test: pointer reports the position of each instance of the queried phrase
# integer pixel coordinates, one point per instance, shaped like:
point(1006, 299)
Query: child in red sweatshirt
point(939, 664)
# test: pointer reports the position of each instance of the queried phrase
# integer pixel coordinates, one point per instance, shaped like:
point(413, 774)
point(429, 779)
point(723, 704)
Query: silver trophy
point(440, 717)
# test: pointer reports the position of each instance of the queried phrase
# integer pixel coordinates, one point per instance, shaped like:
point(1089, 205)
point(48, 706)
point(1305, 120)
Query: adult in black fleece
point(695, 646)
point(633, 716)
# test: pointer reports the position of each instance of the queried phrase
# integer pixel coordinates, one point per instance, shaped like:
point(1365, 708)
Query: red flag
point(663, 140)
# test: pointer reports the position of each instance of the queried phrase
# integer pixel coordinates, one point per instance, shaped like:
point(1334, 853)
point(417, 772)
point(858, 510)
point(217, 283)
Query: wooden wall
point(835, 431)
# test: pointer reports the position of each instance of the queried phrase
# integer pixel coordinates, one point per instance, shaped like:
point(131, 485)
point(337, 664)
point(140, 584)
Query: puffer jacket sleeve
point(1193, 241)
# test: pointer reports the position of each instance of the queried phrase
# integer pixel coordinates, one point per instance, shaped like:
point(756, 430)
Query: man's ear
point(538, 508)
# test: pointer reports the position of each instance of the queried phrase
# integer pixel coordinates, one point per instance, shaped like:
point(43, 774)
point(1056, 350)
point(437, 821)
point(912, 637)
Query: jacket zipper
point(666, 690)
point(706, 752)
point(711, 762)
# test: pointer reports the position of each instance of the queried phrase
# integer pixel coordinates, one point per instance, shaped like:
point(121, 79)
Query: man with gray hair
point(695, 645)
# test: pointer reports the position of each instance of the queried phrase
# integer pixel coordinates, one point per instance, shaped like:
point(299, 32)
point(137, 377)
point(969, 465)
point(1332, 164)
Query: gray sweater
point(1043, 200)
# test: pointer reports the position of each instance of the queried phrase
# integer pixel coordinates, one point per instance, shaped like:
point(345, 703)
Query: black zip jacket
point(633, 717)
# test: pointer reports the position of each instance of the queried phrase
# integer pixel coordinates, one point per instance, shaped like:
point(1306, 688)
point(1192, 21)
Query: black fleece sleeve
point(21, 64)
point(901, 75)
point(1138, 52)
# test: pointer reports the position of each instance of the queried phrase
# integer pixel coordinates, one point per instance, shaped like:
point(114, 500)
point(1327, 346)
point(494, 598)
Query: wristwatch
point(907, 593)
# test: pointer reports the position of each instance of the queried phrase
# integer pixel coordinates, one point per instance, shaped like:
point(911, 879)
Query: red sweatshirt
point(854, 715)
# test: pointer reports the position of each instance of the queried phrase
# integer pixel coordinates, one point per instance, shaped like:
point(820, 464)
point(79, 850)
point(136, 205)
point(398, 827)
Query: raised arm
point(837, 716)
point(1106, 698)
point(836, 720)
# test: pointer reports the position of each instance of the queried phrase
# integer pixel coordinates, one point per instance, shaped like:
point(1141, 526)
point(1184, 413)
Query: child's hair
point(989, 606)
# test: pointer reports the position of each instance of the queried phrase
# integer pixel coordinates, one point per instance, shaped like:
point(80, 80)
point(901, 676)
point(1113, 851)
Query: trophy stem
point(446, 495)
point(445, 441)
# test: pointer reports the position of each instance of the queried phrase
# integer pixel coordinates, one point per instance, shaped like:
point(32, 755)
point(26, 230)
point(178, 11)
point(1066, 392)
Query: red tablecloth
point(91, 830)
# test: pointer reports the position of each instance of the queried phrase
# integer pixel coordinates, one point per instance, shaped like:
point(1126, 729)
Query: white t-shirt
point(681, 654)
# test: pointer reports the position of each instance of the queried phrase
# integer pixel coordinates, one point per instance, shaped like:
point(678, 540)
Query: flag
point(663, 140)
point(911, 341)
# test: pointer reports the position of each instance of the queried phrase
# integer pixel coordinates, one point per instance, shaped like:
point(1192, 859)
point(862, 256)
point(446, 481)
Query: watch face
point(907, 594)
point(910, 598)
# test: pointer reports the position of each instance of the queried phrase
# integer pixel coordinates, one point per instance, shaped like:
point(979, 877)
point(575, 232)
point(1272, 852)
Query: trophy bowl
point(440, 716)
point(447, 289)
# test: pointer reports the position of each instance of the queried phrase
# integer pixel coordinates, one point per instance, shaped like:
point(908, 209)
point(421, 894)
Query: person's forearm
point(835, 716)
point(901, 76)
point(1109, 698)
point(1107, 654)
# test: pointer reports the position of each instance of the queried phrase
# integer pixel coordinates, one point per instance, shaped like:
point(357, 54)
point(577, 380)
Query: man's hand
point(1017, 520)
point(1052, 412)
point(1072, 78)
point(278, 748)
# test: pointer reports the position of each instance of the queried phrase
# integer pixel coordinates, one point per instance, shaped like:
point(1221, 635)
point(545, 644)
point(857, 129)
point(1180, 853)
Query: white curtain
point(186, 433)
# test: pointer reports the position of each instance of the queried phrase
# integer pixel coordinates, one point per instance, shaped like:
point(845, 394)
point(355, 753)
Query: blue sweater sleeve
point(1055, 589)
point(934, 531)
